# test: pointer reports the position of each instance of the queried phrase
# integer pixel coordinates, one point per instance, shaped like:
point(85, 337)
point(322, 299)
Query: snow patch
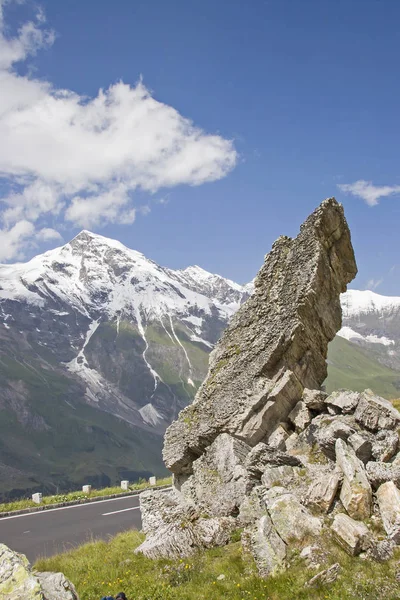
point(150, 415)
point(349, 334)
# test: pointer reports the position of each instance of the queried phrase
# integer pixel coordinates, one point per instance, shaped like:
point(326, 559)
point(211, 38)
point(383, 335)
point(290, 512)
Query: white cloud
point(82, 159)
point(47, 234)
point(14, 239)
point(372, 284)
point(369, 192)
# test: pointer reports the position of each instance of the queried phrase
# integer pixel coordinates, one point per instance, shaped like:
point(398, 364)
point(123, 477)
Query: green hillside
point(352, 367)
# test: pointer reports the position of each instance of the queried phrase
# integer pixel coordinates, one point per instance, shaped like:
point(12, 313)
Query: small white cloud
point(48, 234)
point(369, 192)
point(82, 159)
point(14, 240)
point(372, 284)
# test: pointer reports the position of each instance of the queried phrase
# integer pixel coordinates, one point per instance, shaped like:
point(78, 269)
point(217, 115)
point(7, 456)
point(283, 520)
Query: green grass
point(105, 568)
point(352, 368)
point(78, 495)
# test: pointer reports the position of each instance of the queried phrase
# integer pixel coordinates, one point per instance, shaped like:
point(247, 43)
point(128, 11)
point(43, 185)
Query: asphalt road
point(55, 530)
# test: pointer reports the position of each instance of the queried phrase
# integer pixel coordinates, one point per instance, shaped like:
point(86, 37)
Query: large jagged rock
point(18, 582)
point(388, 496)
point(375, 413)
point(220, 481)
point(356, 493)
point(276, 344)
point(353, 536)
point(266, 546)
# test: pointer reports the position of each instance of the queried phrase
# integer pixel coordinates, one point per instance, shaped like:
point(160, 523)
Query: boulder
point(252, 508)
point(325, 430)
point(322, 491)
point(290, 518)
point(314, 399)
point(220, 481)
point(275, 345)
point(343, 401)
point(283, 476)
point(262, 456)
point(352, 535)
point(379, 472)
point(356, 493)
point(325, 577)
point(388, 497)
point(278, 438)
point(385, 445)
point(18, 582)
point(266, 546)
point(180, 539)
point(300, 416)
point(313, 556)
point(375, 413)
point(361, 445)
point(159, 509)
point(55, 586)
point(381, 551)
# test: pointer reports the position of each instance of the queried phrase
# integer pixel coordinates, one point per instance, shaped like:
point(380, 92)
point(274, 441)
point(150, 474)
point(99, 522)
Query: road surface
point(55, 530)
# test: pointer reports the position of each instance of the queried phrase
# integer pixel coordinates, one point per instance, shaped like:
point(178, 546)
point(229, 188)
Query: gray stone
point(361, 445)
point(18, 582)
point(356, 493)
point(385, 445)
point(343, 400)
point(314, 399)
point(325, 430)
point(352, 535)
point(325, 577)
point(379, 472)
point(275, 345)
point(252, 508)
point(266, 546)
point(262, 456)
point(159, 509)
point(322, 491)
point(55, 586)
point(278, 438)
point(220, 481)
point(374, 412)
point(388, 497)
point(290, 518)
point(283, 476)
point(381, 551)
point(300, 416)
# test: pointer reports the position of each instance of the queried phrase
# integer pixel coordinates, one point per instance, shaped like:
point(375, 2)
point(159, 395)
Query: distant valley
point(100, 348)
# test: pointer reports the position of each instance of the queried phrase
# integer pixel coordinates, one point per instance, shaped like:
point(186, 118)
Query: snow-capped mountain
point(94, 288)
point(372, 321)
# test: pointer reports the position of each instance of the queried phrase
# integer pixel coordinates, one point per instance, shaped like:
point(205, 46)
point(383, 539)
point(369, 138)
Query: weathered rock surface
point(275, 345)
point(279, 476)
point(314, 399)
point(385, 445)
point(343, 401)
point(376, 413)
point(388, 496)
point(323, 490)
point(300, 416)
point(352, 535)
point(325, 430)
point(278, 438)
point(18, 582)
point(326, 576)
point(361, 445)
point(290, 518)
point(266, 546)
point(220, 481)
point(263, 455)
point(356, 493)
point(55, 586)
point(379, 472)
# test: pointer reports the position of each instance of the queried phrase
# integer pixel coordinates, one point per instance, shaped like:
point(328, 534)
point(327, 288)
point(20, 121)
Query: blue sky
point(292, 100)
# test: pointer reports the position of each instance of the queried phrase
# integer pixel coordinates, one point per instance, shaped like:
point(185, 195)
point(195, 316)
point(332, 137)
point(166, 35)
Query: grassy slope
point(102, 568)
point(353, 368)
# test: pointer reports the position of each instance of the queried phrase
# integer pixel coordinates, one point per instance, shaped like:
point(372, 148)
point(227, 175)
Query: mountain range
point(100, 348)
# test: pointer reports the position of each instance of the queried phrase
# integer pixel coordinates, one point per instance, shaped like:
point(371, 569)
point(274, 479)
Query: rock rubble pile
point(262, 448)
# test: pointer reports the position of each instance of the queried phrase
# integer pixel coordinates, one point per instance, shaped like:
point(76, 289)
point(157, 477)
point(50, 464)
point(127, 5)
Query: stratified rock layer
point(275, 345)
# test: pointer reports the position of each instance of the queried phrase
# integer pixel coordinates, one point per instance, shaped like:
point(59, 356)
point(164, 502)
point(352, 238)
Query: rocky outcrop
point(19, 582)
point(275, 345)
point(262, 448)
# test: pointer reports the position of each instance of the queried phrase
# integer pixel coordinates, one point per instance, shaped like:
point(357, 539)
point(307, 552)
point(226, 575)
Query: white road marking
point(26, 531)
point(114, 512)
point(49, 510)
